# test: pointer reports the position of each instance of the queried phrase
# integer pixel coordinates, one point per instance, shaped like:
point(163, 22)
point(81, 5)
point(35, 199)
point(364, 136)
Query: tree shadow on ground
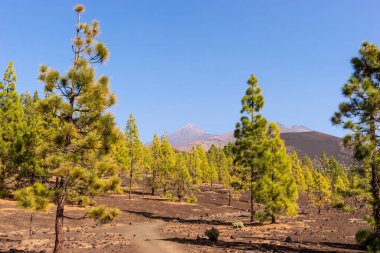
point(261, 246)
point(177, 219)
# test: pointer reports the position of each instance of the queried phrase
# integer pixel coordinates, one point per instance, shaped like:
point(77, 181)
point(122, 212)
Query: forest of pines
point(64, 148)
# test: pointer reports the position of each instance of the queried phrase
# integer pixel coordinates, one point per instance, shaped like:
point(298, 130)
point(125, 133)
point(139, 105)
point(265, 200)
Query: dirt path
point(146, 238)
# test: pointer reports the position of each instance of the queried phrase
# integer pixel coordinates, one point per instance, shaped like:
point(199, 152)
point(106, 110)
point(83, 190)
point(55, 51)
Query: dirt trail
point(146, 238)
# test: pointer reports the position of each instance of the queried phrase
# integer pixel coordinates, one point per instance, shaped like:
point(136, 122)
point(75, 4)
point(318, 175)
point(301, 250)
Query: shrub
point(348, 209)
point(212, 234)
point(338, 205)
point(238, 224)
point(103, 214)
point(190, 199)
point(368, 240)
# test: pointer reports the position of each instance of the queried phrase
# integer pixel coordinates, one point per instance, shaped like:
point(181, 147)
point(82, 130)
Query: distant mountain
point(299, 138)
point(293, 129)
point(186, 135)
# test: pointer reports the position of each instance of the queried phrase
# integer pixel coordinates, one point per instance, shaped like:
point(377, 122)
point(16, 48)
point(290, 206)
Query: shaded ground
point(149, 223)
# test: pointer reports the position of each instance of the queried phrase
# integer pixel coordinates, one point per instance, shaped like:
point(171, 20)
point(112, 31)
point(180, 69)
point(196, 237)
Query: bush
point(348, 209)
point(368, 240)
point(103, 214)
point(238, 224)
point(212, 234)
point(338, 205)
point(192, 199)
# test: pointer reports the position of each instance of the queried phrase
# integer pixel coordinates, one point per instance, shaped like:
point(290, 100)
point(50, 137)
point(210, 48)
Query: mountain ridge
point(298, 137)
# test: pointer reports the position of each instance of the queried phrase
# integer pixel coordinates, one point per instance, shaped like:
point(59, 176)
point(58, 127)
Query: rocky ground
point(151, 223)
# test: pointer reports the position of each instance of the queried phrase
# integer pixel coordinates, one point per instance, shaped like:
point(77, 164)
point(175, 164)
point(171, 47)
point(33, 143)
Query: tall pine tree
point(360, 113)
point(11, 121)
point(78, 151)
point(250, 134)
point(275, 187)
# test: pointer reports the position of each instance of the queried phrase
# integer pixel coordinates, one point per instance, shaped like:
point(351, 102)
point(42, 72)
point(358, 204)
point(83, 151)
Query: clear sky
point(177, 62)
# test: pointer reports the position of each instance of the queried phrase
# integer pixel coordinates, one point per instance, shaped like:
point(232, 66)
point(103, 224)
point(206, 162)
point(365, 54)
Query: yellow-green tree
point(275, 187)
point(181, 180)
point(167, 164)
point(131, 153)
point(11, 130)
point(78, 151)
point(298, 173)
point(320, 194)
point(156, 163)
point(250, 134)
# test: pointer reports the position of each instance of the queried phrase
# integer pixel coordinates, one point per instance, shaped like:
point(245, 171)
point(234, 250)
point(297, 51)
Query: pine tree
point(181, 178)
point(156, 163)
point(320, 194)
point(204, 164)
point(275, 187)
point(308, 170)
point(132, 158)
point(194, 164)
point(214, 168)
point(338, 177)
point(298, 173)
point(78, 152)
point(167, 164)
point(250, 136)
point(360, 113)
point(32, 168)
point(11, 121)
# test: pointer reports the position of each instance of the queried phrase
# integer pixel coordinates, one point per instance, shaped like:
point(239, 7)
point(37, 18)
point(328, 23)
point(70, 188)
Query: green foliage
point(130, 153)
point(212, 234)
point(166, 165)
point(181, 182)
point(11, 131)
point(35, 198)
point(360, 114)
point(156, 163)
point(250, 134)
point(192, 199)
point(206, 172)
point(298, 173)
point(320, 194)
point(194, 164)
point(368, 240)
point(276, 188)
point(217, 164)
point(102, 214)
point(80, 148)
point(238, 224)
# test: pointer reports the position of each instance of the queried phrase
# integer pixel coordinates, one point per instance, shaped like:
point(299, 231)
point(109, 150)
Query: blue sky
point(175, 62)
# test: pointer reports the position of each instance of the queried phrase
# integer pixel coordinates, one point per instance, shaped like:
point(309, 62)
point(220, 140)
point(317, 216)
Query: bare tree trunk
point(153, 182)
point(30, 226)
point(251, 195)
point(376, 197)
point(59, 219)
point(130, 184)
point(273, 219)
point(229, 196)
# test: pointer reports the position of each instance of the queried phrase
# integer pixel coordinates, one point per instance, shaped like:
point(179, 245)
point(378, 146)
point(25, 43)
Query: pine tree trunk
point(273, 219)
point(251, 195)
point(59, 218)
point(375, 180)
point(229, 197)
point(376, 197)
point(211, 185)
point(130, 184)
point(30, 226)
point(153, 182)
